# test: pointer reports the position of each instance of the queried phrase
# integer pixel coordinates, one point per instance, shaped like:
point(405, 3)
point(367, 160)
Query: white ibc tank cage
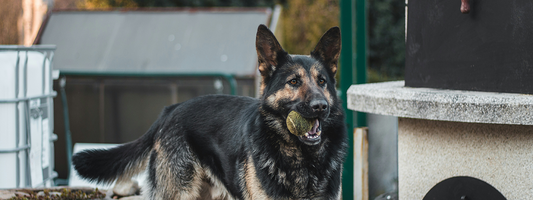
point(26, 116)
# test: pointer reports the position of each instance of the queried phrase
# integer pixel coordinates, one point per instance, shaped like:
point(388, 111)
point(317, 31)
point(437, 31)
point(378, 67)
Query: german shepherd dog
point(230, 147)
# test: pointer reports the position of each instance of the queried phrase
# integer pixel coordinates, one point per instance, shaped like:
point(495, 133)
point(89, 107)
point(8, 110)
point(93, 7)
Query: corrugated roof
point(155, 41)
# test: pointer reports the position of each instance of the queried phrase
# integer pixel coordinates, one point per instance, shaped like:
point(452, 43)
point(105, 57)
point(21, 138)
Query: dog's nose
point(319, 105)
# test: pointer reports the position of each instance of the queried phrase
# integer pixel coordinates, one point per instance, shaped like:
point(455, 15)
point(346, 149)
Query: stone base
point(432, 151)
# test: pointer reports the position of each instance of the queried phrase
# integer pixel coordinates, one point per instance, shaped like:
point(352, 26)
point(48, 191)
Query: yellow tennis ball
point(299, 125)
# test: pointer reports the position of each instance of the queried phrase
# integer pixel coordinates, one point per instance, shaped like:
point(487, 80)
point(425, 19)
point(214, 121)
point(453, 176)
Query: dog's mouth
point(313, 136)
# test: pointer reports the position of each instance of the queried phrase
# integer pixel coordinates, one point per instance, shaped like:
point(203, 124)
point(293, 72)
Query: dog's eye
point(322, 81)
point(293, 82)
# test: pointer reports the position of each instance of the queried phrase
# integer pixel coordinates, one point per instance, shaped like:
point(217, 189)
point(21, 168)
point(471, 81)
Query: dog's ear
point(269, 51)
point(328, 48)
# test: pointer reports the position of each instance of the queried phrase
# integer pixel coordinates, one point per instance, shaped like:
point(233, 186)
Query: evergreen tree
point(386, 39)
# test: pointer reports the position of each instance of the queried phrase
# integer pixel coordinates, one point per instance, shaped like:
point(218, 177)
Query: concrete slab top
point(393, 98)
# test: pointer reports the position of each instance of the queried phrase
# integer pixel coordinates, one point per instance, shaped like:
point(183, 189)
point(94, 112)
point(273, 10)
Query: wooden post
point(360, 164)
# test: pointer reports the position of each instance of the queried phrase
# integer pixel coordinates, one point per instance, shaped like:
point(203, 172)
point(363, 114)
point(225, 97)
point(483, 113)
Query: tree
point(99, 4)
point(10, 12)
point(304, 21)
point(91, 4)
point(386, 39)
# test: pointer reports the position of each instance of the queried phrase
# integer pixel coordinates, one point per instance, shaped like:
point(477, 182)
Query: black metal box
point(488, 49)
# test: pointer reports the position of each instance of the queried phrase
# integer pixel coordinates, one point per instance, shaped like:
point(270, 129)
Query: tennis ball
point(299, 125)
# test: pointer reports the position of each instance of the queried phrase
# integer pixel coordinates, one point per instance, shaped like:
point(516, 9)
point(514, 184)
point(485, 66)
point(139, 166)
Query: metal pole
point(101, 108)
point(346, 77)
point(68, 137)
point(361, 45)
point(232, 83)
point(353, 24)
point(17, 119)
point(228, 77)
point(27, 119)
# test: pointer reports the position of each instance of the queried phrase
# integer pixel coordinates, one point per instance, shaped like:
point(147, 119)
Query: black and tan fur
point(230, 147)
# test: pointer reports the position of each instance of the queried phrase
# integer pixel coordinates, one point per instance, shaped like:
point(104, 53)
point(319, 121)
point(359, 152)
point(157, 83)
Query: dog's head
point(301, 83)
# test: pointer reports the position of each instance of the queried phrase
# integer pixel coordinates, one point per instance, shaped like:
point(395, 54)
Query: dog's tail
point(108, 165)
point(119, 163)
